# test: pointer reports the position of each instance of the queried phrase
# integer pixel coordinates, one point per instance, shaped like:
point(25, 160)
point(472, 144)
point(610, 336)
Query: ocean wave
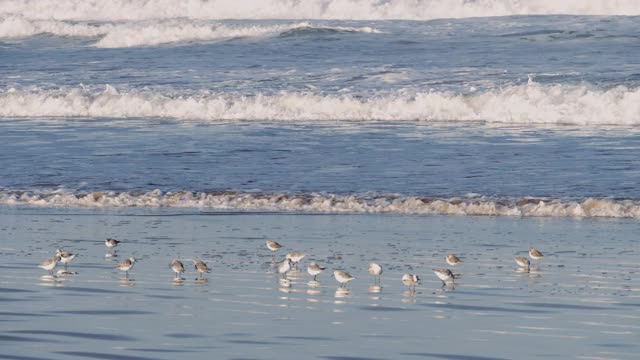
point(530, 103)
point(149, 33)
point(330, 203)
point(307, 9)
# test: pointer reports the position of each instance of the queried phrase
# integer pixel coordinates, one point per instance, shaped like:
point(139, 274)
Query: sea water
point(350, 130)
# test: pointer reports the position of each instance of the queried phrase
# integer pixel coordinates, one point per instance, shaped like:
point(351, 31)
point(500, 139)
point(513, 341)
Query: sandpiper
point(126, 265)
point(295, 257)
point(535, 254)
point(444, 275)
point(375, 270)
point(177, 267)
point(272, 245)
point(522, 262)
point(452, 260)
point(65, 256)
point(201, 267)
point(284, 267)
point(111, 243)
point(342, 277)
point(50, 264)
point(314, 269)
point(410, 280)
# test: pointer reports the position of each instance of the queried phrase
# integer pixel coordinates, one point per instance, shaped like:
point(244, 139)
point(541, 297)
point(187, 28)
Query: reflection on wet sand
point(201, 281)
point(409, 297)
point(342, 293)
point(127, 281)
point(66, 272)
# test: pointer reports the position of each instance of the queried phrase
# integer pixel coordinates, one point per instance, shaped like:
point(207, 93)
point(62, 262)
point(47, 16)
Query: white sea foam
point(530, 103)
point(13, 26)
point(149, 33)
point(307, 9)
point(328, 203)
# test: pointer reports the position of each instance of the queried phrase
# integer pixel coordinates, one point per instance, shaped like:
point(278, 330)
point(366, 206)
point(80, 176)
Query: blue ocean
point(355, 130)
point(461, 107)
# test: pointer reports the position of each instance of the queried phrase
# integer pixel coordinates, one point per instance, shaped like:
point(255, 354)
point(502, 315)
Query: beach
point(141, 138)
point(581, 301)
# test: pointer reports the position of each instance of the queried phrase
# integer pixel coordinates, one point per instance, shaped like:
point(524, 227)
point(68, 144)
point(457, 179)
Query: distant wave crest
point(329, 203)
point(521, 104)
point(307, 9)
point(150, 33)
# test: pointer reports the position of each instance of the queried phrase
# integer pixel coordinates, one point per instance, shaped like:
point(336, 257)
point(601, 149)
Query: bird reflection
point(201, 281)
point(284, 284)
point(51, 280)
point(66, 272)
point(314, 292)
point(343, 293)
point(127, 281)
point(409, 296)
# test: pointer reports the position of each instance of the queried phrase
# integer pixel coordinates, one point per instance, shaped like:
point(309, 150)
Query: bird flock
point(410, 280)
point(291, 261)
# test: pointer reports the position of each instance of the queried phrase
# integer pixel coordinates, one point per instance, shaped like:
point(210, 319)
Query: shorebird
point(111, 243)
point(201, 267)
point(177, 267)
point(410, 280)
point(295, 257)
point(342, 277)
point(126, 265)
point(272, 245)
point(50, 264)
point(522, 262)
point(284, 267)
point(314, 269)
point(375, 270)
point(444, 275)
point(452, 260)
point(65, 256)
point(535, 254)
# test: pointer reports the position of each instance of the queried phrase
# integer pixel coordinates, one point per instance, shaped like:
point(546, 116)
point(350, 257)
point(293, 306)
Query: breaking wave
point(330, 203)
point(149, 33)
point(531, 103)
point(308, 9)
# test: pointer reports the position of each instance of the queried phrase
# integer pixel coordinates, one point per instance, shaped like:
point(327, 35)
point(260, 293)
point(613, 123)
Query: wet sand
point(582, 301)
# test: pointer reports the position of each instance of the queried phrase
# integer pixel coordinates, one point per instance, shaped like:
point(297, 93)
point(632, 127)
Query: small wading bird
point(453, 260)
point(201, 267)
point(295, 257)
point(342, 277)
point(272, 245)
point(111, 243)
point(284, 267)
point(444, 275)
point(50, 264)
point(126, 265)
point(522, 262)
point(314, 269)
point(535, 254)
point(177, 267)
point(65, 257)
point(410, 280)
point(375, 270)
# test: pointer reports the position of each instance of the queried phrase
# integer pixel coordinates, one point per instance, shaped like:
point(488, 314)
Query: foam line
point(530, 103)
point(330, 203)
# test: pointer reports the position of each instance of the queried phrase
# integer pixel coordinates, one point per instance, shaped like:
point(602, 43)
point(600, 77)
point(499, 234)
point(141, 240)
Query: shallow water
point(581, 301)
